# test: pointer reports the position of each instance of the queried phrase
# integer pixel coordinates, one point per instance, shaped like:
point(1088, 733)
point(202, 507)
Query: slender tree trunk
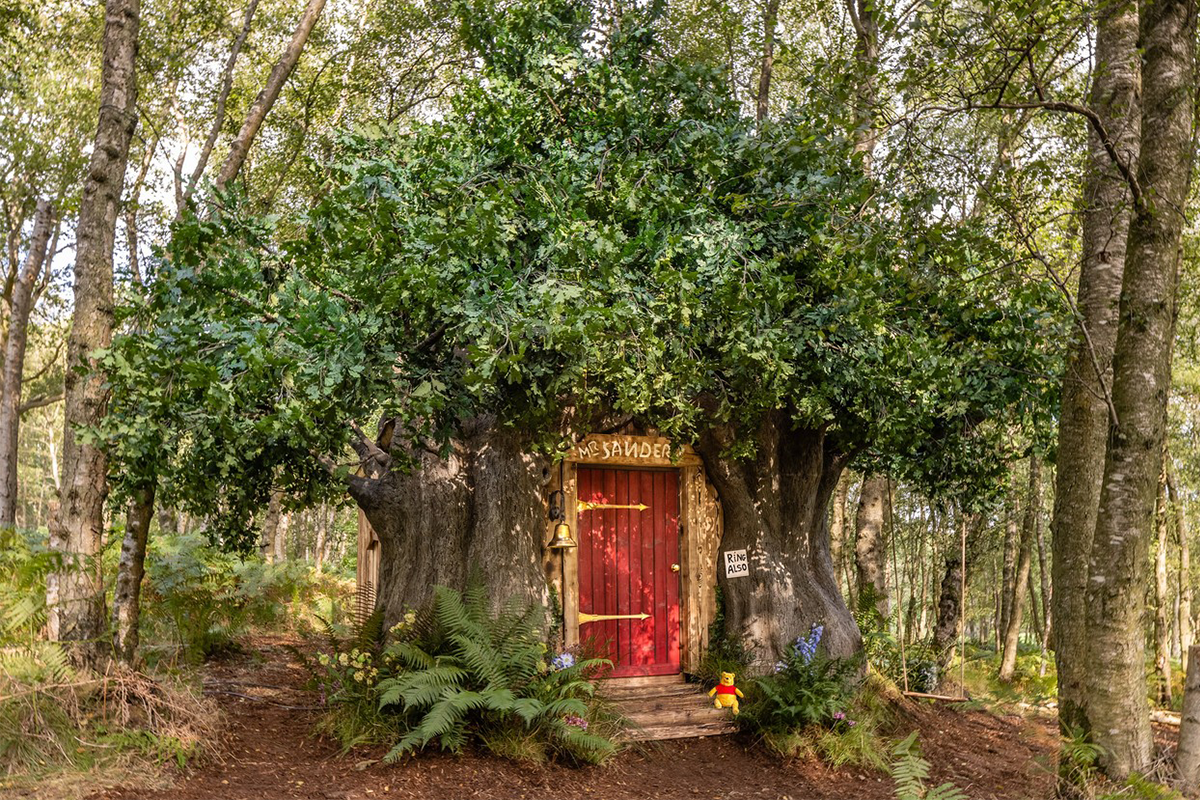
point(950, 600)
point(1117, 712)
point(20, 305)
point(1162, 630)
point(1185, 566)
point(1187, 755)
point(770, 18)
point(271, 520)
point(1047, 591)
point(240, 147)
point(864, 15)
point(1083, 423)
point(218, 120)
point(870, 552)
point(322, 526)
point(1008, 576)
point(1012, 634)
point(837, 527)
point(126, 614)
point(75, 596)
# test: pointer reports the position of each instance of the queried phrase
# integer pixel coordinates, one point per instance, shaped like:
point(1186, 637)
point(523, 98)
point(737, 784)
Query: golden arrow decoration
point(585, 617)
point(586, 505)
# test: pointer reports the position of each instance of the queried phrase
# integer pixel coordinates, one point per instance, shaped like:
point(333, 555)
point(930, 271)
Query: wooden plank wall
point(702, 525)
point(367, 572)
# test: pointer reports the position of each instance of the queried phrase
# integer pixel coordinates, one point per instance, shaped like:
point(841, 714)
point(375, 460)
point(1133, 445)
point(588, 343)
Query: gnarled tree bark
point(775, 506)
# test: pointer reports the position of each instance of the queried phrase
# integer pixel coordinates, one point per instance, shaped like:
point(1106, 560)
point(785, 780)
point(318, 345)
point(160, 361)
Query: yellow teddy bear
point(727, 694)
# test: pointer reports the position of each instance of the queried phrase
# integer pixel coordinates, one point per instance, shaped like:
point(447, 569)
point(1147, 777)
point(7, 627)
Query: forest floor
point(270, 753)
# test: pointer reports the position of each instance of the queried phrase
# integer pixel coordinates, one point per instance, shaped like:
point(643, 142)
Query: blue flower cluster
point(806, 646)
point(563, 661)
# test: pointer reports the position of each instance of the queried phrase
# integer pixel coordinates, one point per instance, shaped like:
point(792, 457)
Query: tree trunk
point(321, 523)
point(770, 18)
point(75, 596)
point(240, 147)
point(1012, 634)
point(130, 569)
point(1083, 422)
point(949, 623)
point(837, 527)
point(776, 507)
point(1047, 591)
point(870, 552)
point(270, 527)
point(480, 513)
point(1008, 575)
point(1187, 755)
point(864, 15)
point(20, 306)
point(1117, 712)
point(1185, 566)
point(219, 113)
point(1162, 630)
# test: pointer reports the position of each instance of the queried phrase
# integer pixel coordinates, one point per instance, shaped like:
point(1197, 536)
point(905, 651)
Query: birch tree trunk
point(126, 614)
point(1083, 423)
point(1008, 574)
point(1117, 712)
point(75, 596)
point(20, 306)
point(870, 554)
point(240, 147)
point(1185, 565)
point(1162, 629)
point(1012, 633)
point(837, 526)
point(1187, 755)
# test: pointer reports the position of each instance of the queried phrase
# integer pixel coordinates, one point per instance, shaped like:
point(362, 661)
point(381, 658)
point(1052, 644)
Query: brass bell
point(562, 538)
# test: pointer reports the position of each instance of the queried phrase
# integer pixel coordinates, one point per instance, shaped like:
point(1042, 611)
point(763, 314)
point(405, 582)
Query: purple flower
point(839, 715)
point(780, 666)
point(851, 723)
point(577, 721)
point(563, 661)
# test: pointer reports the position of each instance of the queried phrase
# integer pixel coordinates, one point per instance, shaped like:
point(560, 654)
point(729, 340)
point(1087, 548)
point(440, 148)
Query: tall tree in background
point(1033, 508)
point(140, 510)
point(1117, 712)
point(75, 595)
point(870, 553)
point(1083, 421)
point(21, 298)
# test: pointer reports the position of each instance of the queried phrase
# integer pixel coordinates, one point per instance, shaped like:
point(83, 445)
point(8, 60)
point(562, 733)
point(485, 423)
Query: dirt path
point(269, 753)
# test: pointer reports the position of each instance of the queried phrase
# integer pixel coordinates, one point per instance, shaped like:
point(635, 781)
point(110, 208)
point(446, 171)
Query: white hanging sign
point(737, 565)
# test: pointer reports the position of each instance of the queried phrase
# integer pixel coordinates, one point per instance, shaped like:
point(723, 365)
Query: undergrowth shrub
point(53, 716)
point(457, 672)
point(198, 601)
point(911, 772)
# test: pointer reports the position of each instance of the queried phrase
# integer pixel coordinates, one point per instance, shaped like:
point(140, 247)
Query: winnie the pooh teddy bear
point(726, 693)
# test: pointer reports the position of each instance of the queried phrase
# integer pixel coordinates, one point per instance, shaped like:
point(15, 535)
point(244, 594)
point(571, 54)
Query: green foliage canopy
point(594, 228)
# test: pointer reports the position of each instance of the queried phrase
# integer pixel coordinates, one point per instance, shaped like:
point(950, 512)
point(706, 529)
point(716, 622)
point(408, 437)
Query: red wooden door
point(628, 562)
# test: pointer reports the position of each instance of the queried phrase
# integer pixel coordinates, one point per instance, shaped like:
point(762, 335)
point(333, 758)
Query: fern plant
point(460, 672)
point(911, 772)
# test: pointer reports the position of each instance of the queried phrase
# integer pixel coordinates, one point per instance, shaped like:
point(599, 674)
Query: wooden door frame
point(700, 526)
